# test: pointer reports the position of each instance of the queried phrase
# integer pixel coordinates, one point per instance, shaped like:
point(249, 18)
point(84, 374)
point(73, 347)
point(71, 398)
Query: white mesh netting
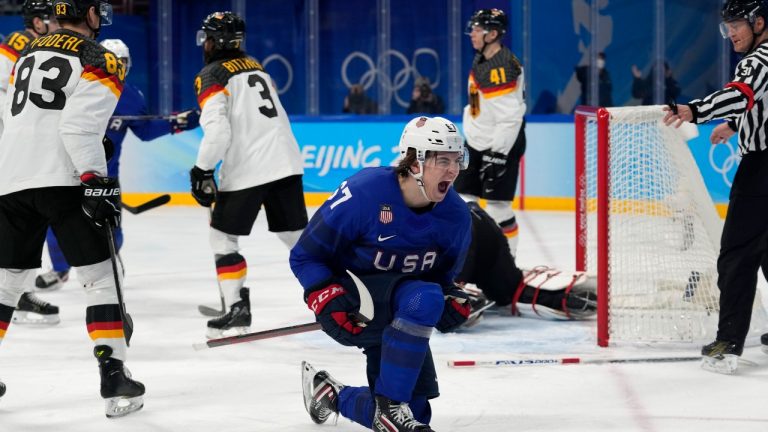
point(664, 233)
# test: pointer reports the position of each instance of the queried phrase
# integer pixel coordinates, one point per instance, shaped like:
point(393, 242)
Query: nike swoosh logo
point(381, 239)
point(488, 190)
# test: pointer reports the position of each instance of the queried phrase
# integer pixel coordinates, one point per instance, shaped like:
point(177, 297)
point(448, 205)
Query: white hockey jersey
point(62, 92)
point(244, 125)
point(10, 50)
point(494, 115)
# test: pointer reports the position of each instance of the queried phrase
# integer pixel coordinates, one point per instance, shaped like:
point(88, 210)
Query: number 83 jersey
point(244, 125)
point(61, 93)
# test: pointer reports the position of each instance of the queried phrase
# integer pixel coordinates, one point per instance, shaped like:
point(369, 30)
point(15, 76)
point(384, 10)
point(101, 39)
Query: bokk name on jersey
point(241, 64)
point(60, 41)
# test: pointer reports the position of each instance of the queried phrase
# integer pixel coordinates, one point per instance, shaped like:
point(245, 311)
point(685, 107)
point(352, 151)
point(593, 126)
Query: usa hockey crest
point(385, 214)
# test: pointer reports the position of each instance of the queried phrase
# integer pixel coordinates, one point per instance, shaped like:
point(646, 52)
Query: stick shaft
point(265, 334)
point(565, 361)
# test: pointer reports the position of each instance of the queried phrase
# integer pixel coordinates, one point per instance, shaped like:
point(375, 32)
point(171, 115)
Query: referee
point(744, 104)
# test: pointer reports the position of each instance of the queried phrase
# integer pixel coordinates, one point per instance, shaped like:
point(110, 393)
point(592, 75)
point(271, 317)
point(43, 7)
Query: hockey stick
point(362, 316)
point(149, 205)
point(565, 361)
point(265, 334)
point(124, 316)
point(145, 117)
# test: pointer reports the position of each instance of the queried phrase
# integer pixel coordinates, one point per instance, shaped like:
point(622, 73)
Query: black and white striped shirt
point(743, 100)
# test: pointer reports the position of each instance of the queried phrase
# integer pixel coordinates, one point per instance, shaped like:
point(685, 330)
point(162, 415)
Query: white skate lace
point(402, 414)
point(36, 300)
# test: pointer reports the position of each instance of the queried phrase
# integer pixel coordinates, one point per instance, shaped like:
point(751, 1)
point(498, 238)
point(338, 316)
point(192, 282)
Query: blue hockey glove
point(456, 310)
point(185, 120)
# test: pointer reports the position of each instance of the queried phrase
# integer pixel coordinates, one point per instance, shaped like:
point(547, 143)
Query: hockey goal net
point(647, 228)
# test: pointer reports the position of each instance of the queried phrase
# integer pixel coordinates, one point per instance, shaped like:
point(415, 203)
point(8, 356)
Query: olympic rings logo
point(729, 163)
point(391, 84)
point(288, 68)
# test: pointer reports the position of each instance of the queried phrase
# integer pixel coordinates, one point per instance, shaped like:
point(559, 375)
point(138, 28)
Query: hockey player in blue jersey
point(404, 232)
point(131, 103)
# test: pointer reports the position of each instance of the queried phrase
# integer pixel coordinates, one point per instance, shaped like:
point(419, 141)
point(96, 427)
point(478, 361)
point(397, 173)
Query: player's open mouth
point(443, 186)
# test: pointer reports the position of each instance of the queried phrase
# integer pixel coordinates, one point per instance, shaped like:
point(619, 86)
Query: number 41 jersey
point(244, 125)
point(62, 92)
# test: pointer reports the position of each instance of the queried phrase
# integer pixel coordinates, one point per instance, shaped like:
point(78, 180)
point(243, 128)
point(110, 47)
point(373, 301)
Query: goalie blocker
point(541, 292)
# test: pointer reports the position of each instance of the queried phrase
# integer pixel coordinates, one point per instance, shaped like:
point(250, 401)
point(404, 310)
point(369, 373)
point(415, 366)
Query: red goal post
point(646, 228)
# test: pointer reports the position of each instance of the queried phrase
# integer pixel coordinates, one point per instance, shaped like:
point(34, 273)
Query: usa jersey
point(131, 103)
point(10, 50)
point(62, 92)
point(367, 228)
point(244, 125)
point(494, 115)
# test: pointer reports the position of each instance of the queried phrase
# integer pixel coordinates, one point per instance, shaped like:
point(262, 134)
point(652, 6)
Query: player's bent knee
point(98, 280)
point(419, 302)
point(223, 243)
point(12, 284)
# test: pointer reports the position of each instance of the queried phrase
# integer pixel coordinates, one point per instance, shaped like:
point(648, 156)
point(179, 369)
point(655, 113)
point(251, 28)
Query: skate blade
point(726, 365)
point(122, 406)
point(213, 333)
point(32, 318)
point(307, 378)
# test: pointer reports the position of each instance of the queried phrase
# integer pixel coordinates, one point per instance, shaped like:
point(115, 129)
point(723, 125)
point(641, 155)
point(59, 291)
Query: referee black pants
point(743, 246)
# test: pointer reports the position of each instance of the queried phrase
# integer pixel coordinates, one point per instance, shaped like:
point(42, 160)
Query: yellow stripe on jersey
point(11, 55)
point(106, 81)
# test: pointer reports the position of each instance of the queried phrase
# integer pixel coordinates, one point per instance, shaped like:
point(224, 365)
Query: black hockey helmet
point(226, 29)
point(77, 9)
point(36, 9)
point(489, 19)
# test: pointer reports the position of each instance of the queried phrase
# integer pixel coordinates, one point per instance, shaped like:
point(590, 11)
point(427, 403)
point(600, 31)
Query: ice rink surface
point(53, 381)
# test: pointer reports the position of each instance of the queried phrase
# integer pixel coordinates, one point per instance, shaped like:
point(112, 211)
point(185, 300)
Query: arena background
point(316, 49)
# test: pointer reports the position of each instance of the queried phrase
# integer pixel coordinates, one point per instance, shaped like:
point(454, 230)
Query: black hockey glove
point(185, 120)
point(335, 308)
point(493, 166)
point(101, 200)
point(456, 309)
point(203, 186)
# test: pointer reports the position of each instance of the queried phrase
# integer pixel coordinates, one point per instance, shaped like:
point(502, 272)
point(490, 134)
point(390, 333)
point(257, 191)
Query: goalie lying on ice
point(541, 292)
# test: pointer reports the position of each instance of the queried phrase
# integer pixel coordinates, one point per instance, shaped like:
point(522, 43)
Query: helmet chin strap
point(420, 180)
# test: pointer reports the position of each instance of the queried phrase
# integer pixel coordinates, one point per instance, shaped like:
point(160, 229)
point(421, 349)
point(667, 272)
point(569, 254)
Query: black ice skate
point(721, 357)
point(392, 416)
point(764, 342)
point(121, 394)
point(237, 319)
point(51, 280)
point(321, 393)
point(32, 310)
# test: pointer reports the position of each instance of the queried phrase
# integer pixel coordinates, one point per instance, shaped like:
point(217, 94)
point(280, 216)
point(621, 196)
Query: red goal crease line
point(565, 361)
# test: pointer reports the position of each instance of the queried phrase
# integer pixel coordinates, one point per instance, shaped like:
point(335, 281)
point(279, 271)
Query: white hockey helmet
point(425, 134)
point(120, 49)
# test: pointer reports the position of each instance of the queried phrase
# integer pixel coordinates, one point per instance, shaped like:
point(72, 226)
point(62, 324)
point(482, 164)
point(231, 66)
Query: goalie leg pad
point(552, 294)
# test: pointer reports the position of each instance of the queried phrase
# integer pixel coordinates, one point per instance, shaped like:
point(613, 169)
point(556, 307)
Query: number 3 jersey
point(244, 125)
point(62, 92)
point(494, 116)
point(367, 228)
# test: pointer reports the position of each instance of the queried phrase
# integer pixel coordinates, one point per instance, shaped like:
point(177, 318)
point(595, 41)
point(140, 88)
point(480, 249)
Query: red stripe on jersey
point(105, 325)
point(208, 92)
point(9, 52)
point(746, 90)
